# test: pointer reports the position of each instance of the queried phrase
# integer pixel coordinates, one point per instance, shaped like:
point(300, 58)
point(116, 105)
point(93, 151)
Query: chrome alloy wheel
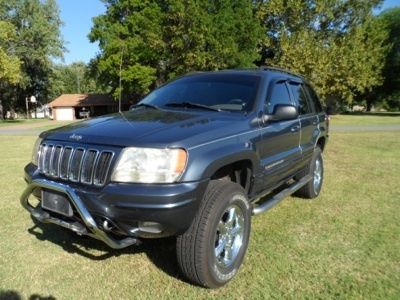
point(317, 174)
point(229, 236)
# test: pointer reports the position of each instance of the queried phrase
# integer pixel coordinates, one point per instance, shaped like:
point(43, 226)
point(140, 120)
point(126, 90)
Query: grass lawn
point(4, 123)
point(55, 124)
point(344, 244)
point(364, 119)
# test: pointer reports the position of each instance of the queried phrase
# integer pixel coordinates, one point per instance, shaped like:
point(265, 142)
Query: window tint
point(279, 95)
point(300, 99)
point(314, 98)
point(234, 92)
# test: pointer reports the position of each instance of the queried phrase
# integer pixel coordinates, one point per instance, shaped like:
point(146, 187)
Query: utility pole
point(33, 100)
point(27, 108)
point(78, 83)
point(120, 80)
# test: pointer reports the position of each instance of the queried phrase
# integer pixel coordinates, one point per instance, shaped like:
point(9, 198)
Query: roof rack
point(266, 68)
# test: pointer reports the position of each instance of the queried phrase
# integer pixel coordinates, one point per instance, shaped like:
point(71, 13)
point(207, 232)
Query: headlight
point(148, 165)
point(36, 151)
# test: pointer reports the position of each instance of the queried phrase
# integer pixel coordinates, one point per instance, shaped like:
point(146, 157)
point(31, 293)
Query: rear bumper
point(124, 206)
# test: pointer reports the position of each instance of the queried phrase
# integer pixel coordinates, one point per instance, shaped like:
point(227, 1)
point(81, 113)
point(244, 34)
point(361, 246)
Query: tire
point(316, 169)
point(221, 227)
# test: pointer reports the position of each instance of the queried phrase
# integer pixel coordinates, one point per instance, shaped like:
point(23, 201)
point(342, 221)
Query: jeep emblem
point(75, 137)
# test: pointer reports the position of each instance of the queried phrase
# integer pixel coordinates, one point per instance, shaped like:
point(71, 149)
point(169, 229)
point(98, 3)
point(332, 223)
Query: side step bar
point(268, 204)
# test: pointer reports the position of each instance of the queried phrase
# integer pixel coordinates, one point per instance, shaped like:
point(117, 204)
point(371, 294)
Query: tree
point(9, 63)
point(150, 42)
point(389, 92)
point(336, 45)
point(37, 39)
point(72, 79)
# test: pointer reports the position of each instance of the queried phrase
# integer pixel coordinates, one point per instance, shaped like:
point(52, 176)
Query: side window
point(279, 95)
point(300, 99)
point(314, 98)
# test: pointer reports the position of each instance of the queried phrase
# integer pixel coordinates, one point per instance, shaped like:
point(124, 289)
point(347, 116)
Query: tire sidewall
point(317, 156)
point(220, 275)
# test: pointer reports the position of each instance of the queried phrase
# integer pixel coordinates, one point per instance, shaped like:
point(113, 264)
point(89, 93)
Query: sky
point(77, 17)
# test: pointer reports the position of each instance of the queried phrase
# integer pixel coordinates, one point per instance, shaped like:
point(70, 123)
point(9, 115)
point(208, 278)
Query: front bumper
point(125, 206)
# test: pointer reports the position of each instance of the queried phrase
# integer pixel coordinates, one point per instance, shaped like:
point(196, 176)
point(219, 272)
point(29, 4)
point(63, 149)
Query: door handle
point(314, 122)
point(295, 128)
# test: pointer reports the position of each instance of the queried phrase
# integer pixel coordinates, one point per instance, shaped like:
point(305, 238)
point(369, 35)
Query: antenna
point(120, 80)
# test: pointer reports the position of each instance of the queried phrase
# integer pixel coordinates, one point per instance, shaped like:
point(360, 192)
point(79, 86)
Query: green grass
point(55, 125)
point(5, 123)
point(344, 244)
point(365, 119)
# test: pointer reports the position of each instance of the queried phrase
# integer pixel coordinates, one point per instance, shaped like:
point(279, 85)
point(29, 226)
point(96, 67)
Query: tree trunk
point(1, 110)
point(369, 105)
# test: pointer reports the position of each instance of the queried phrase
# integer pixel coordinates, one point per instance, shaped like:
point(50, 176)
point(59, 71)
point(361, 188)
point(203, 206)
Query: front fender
point(205, 161)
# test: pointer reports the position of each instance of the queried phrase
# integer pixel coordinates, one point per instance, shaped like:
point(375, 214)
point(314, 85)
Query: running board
point(268, 204)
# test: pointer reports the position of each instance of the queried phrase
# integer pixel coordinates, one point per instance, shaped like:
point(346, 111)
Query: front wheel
point(212, 250)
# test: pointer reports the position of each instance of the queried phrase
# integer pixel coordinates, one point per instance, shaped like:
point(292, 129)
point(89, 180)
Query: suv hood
point(149, 127)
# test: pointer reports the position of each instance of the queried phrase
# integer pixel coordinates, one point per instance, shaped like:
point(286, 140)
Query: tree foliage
point(389, 92)
point(336, 45)
point(9, 62)
point(75, 78)
point(154, 41)
point(37, 39)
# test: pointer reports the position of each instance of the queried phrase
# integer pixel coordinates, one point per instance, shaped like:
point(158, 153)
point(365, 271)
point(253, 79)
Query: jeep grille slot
point(64, 162)
point(76, 164)
point(48, 149)
point(102, 167)
point(54, 161)
point(89, 166)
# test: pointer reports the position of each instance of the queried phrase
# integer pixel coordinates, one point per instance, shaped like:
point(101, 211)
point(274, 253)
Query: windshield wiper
point(191, 105)
point(145, 105)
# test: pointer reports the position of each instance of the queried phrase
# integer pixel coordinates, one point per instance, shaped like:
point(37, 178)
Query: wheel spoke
point(220, 247)
point(228, 254)
point(221, 228)
point(231, 217)
point(235, 231)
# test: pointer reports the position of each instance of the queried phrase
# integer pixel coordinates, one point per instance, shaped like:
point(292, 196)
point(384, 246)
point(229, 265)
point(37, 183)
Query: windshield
point(232, 92)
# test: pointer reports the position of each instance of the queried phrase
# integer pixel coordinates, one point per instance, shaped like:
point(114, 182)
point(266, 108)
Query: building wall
point(63, 113)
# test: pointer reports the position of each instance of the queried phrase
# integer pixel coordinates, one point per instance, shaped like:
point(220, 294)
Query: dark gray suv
point(196, 158)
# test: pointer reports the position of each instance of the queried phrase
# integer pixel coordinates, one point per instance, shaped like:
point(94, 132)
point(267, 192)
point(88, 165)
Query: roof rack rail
point(266, 68)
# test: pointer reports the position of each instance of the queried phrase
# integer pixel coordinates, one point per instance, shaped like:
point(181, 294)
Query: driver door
point(280, 152)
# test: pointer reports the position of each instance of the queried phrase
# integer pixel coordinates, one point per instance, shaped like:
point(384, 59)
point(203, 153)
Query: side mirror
point(282, 112)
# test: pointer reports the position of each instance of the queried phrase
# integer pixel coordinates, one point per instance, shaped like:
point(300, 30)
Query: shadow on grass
point(161, 252)
point(13, 295)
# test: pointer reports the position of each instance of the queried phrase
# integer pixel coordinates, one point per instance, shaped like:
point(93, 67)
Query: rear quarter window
point(314, 98)
point(300, 99)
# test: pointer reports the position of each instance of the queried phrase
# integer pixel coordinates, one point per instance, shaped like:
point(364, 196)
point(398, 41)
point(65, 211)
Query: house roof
point(67, 100)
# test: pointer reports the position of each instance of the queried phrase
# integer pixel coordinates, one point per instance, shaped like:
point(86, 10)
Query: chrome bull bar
point(89, 227)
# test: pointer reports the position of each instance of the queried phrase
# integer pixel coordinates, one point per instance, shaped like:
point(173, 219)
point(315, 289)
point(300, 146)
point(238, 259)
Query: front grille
point(76, 164)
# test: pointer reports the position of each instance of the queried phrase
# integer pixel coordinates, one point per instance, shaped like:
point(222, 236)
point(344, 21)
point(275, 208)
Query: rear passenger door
point(307, 117)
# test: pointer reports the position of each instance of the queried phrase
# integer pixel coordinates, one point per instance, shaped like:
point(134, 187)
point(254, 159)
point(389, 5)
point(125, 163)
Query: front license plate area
point(56, 202)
